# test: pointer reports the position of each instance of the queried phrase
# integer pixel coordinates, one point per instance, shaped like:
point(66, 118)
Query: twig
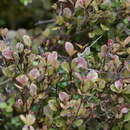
point(87, 49)
point(95, 41)
point(76, 114)
point(45, 22)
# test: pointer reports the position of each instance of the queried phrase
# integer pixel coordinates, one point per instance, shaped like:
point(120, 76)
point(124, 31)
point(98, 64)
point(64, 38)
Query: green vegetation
point(69, 72)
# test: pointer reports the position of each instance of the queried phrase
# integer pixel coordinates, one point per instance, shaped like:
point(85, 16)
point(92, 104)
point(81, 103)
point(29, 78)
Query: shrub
point(82, 21)
point(76, 75)
point(75, 90)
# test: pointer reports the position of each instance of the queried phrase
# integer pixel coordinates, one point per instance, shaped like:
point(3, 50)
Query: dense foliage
point(74, 74)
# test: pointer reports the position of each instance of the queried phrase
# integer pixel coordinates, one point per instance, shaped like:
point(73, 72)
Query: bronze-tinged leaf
point(69, 48)
point(7, 53)
point(64, 97)
point(34, 74)
point(33, 89)
point(52, 59)
point(78, 75)
point(82, 3)
point(126, 41)
point(22, 79)
point(127, 65)
point(81, 62)
point(2, 45)
point(4, 32)
point(92, 76)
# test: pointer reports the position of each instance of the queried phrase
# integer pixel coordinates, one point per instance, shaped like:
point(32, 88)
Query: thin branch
point(76, 114)
point(95, 41)
point(45, 22)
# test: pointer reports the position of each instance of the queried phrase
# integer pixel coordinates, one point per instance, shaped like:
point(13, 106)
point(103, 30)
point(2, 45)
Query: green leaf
point(78, 122)
point(104, 27)
point(26, 2)
point(127, 117)
point(11, 101)
point(113, 88)
point(127, 90)
point(53, 105)
point(3, 105)
point(9, 109)
point(65, 66)
point(91, 34)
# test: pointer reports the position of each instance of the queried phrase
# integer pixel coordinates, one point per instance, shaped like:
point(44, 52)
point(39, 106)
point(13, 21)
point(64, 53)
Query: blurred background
point(16, 14)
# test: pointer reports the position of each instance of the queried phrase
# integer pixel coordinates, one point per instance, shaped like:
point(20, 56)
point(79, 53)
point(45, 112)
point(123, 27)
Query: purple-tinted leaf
point(118, 84)
point(34, 74)
point(8, 53)
point(81, 62)
point(124, 110)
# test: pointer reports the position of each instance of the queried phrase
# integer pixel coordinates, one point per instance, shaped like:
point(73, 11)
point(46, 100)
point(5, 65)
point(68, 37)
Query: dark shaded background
point(14, 15)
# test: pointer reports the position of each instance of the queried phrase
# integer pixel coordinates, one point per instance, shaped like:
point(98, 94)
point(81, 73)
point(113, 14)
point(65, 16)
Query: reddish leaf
point(22, 79)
